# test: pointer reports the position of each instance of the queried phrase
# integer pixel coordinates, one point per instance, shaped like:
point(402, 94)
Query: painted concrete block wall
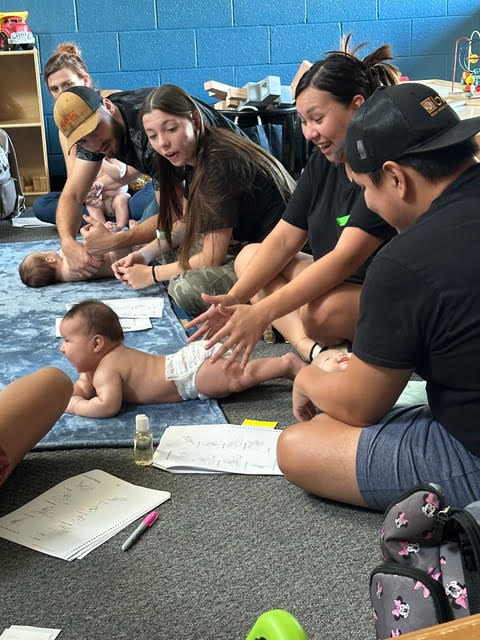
point(135, 43)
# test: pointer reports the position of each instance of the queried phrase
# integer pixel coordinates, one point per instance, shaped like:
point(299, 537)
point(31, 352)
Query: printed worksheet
point(218, 448)
point(128, 324)
point(78, 514)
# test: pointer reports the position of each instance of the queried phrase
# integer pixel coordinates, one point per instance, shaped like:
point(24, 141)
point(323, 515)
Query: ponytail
point(345, 75)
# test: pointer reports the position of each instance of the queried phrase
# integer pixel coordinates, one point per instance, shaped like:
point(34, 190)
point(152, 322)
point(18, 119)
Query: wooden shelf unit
point(21, 115)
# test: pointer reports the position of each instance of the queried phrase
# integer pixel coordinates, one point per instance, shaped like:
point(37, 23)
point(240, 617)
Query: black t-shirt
point(420, 307)
point(325, 202)
point(252, 213)
point(135, 150)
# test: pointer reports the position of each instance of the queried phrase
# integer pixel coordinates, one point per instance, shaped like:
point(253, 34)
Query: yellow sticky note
point(259, 423)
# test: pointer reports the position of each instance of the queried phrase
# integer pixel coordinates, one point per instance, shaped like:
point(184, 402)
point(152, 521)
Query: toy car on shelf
point(14, 31)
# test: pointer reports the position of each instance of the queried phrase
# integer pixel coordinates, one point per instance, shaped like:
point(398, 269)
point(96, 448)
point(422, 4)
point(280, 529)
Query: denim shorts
point(409, 447)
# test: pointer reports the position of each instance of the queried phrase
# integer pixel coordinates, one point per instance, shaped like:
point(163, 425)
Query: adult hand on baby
point(135, 257)
point(79, 259)
point(98, 239)
point(137, 277)
point(239, 334)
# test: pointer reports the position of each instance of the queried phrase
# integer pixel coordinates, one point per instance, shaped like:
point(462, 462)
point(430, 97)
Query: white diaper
point(181, 368)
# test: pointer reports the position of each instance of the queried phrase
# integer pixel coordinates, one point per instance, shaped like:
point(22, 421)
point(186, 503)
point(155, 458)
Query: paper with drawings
point(80, 513)
point(218, 448)
point(128, 324)
point(20, 632)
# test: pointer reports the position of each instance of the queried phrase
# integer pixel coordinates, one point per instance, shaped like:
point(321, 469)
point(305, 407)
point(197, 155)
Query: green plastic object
point(277, 624)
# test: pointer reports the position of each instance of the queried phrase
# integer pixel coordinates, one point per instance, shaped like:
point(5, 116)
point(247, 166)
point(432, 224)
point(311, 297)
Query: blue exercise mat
point(28, 342)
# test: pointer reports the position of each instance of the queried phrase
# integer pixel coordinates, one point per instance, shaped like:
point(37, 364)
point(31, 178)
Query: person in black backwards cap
point(419, 311)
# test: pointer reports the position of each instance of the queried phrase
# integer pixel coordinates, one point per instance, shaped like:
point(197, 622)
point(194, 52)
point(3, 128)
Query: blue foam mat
point(28, 341)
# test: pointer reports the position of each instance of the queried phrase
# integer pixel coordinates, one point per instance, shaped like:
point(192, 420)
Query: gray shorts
point(409, 447)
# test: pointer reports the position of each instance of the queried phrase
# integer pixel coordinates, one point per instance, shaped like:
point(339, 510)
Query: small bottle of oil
point(142, 441)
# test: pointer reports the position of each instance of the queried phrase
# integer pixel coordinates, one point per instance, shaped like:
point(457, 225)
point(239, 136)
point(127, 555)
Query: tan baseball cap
point(76, 113)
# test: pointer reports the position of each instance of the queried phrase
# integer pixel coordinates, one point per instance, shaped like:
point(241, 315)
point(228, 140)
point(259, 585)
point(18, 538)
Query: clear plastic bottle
point(142, 441)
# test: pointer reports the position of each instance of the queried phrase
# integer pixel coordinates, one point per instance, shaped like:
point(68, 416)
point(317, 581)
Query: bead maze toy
point(467, 58)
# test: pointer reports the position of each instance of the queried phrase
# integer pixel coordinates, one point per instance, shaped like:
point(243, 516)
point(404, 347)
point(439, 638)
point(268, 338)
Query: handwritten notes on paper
point(144, 307)
point(79, 514)
point(218, 448)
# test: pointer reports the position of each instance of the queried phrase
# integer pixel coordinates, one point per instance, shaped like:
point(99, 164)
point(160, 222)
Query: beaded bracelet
point(154, 276)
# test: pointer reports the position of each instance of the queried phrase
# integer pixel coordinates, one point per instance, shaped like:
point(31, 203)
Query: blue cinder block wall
point(135, 43)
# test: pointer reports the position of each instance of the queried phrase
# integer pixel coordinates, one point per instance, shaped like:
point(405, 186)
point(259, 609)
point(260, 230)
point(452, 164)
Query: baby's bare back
point(142, 374)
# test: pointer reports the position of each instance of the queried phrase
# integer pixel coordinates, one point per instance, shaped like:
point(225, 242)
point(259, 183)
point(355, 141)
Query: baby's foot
point(332, 360)
point(293, 364)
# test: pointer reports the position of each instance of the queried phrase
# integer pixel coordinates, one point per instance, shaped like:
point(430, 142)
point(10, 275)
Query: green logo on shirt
point(342, 221)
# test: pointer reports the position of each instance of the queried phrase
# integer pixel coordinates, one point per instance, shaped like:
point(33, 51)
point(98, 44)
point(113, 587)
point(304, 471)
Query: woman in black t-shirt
point(217, 188)
point(312, 301)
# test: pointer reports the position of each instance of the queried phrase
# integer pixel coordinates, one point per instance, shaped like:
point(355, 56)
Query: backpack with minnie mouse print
point(431, 564)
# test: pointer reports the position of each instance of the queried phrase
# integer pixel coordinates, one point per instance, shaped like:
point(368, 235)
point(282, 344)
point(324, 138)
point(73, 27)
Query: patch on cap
point(433, 105)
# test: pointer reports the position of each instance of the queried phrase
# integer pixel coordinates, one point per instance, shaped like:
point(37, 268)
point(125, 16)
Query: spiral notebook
point(79, 514)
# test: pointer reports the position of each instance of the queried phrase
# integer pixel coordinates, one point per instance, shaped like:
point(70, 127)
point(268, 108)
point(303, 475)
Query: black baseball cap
point(402, 119)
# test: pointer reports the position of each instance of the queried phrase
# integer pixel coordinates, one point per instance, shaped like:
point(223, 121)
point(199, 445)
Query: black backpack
point(431, 564)
point(12, 202)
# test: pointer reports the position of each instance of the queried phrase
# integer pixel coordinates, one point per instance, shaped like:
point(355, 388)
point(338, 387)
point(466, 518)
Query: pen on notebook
point(147, 522)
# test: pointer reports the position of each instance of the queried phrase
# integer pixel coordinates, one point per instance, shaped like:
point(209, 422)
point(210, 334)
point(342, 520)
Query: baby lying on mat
point(41, 268)
point(112, 373)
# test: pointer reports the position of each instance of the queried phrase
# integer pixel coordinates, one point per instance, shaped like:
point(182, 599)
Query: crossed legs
point(319, 456)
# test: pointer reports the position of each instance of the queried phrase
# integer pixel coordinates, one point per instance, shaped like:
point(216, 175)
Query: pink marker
point(147, 522)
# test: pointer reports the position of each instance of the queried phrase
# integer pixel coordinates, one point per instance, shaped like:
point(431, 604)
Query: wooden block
point(221, 105)
point(305, 66)
point(235, 97)
point(216, 89)
point(37, 183)
point(43, 183)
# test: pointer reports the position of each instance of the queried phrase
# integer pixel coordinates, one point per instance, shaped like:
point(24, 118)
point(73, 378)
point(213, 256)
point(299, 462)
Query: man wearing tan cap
point(106, 127)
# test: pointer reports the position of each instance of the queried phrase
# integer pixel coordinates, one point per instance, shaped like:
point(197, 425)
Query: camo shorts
point(186, 288)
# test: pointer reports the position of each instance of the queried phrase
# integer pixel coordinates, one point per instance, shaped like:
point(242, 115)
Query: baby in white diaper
point(112, 373)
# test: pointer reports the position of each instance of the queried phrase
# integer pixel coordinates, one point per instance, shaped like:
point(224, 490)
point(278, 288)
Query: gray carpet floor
point(225, 548)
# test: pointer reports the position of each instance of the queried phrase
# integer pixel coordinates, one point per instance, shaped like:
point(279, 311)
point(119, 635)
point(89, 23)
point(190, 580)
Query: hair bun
point(68, 47)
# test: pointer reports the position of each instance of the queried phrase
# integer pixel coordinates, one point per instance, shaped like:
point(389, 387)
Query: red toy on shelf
point(14, 31)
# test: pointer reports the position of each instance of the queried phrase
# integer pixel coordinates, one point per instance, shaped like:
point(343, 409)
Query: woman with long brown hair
point(219, 188)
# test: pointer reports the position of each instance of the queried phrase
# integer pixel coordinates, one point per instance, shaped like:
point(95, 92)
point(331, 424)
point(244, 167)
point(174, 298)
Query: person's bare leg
point(29, 407)
point(120, 209)
point(331, 319)
point(319, 456)
point(290, 325)
point(216, 382)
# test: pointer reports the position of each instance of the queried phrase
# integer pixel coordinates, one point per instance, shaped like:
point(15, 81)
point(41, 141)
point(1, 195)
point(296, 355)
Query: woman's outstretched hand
point(137, 276)
point(238, 326)
point(135, 257)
